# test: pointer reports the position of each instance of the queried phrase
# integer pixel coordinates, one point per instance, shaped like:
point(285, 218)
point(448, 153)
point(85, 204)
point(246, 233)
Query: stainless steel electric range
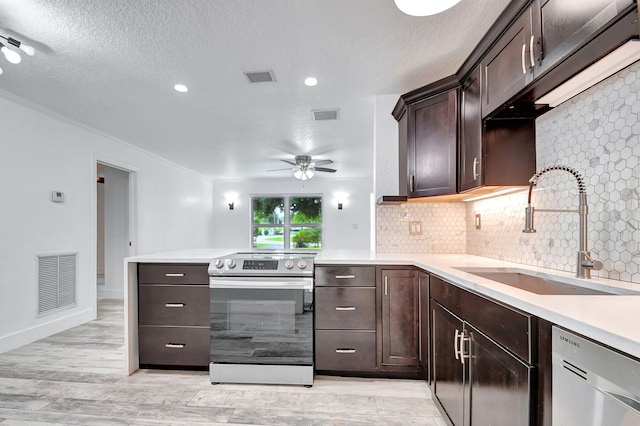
point(262, 318)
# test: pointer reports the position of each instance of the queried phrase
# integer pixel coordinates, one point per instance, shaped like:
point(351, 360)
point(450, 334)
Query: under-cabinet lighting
point(493, 194)
point(620, 58)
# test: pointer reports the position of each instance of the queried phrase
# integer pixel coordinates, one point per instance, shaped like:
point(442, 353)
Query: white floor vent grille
point(56, 282)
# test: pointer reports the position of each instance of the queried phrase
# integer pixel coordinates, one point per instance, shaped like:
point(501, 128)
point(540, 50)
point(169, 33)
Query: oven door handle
point(262, 283)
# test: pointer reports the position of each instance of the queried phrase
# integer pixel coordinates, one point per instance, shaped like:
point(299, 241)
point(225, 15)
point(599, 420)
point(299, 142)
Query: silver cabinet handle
point(344, 277)
point(174, 305)
point(345, 351)
point(174, 345)
point(532, 55)
point(175, 275)
point(475, 168)
point(524, 55)
point(455, 343)
point(386, 285)
point(345, 308)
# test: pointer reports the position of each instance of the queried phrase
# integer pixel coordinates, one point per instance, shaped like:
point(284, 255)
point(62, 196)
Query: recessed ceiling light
point(181, 88)
point(310, 81)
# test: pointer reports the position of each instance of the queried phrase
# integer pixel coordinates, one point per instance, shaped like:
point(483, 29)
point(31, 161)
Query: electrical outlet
point(478, 224)
point(415, 228)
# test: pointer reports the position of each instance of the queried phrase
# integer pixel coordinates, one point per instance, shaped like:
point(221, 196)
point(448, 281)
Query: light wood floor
point(76, 377)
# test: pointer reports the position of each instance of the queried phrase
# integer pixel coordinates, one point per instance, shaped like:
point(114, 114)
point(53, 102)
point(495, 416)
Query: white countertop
point(610, 319)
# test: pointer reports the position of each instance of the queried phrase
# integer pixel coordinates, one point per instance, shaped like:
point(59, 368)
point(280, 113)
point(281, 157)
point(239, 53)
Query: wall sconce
point(340, 198)
point(230, 199)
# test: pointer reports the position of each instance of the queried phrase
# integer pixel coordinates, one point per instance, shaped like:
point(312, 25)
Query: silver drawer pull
point(174, 345)
point(175, 275)
point(345, 308)
point(344, 277)
point(174, 305)
point(345, 351)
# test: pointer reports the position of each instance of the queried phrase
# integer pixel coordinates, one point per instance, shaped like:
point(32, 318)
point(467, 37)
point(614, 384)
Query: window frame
point(286, 225)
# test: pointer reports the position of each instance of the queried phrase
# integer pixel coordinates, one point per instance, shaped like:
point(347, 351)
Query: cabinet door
point(448, 372)
point(432, 146)
point(507, 68)
point(423, 284)
point(469, 168)
point(400, 322)
point(500, 384)
point(561, 27)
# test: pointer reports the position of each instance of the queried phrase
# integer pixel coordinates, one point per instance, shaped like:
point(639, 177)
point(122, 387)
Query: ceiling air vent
point(260, 76)
point(325, 114)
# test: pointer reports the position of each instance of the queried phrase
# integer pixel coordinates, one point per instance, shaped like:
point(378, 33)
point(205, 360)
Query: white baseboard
point(45, 329)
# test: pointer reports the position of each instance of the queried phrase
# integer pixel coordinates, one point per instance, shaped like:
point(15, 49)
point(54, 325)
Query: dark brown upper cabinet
point(499, 152)
point(508, 68)
point(560, 27)
point(432, 145)
point(470, 158)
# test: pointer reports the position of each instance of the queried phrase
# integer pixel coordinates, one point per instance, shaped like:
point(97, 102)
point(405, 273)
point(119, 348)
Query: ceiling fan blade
point(322, 162)
point(289, 162)
point(324, 169)
point(277, 170)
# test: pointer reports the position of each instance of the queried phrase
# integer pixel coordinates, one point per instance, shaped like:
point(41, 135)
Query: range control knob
point(231, 263)
point(302, 264)
point(288, 264)
point(219, 263)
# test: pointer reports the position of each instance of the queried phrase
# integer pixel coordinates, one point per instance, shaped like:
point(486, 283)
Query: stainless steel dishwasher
point(593, 385)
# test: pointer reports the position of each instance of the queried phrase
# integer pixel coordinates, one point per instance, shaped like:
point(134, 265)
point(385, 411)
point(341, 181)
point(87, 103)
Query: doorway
point(113, 230)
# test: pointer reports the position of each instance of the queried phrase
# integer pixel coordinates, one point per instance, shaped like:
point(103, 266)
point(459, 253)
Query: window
point(287, 222)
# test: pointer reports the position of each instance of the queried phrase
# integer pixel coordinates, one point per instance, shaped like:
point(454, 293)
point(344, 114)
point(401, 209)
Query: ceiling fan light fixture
point(303, 174)
point(424, 7)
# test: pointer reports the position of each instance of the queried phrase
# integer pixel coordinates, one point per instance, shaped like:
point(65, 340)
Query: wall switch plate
point(57, 196)
point(478, 224)
point(415, 228)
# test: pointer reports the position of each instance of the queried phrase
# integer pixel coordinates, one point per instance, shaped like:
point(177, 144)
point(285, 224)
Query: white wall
point(40, 152)
point(348, 228)
point(385, 135)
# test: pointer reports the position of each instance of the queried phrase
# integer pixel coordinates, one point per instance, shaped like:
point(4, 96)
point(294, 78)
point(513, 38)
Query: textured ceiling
point(111, 65)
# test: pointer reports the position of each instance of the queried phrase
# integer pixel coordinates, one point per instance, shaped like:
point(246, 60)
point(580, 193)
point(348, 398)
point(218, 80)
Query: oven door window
point(262, 326)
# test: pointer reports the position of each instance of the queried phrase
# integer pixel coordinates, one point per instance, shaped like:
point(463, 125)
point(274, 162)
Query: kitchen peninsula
point(604, 318)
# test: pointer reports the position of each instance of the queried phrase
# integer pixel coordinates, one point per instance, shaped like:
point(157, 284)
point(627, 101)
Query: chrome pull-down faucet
point(584, 262)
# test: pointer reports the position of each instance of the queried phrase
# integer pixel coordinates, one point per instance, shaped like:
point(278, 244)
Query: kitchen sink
point(541, 284)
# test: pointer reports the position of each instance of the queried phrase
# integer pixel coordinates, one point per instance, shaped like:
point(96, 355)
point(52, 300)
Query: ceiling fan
point(304, 168)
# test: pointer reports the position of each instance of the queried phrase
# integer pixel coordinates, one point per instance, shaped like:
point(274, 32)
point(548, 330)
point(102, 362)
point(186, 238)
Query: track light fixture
point(11, 54)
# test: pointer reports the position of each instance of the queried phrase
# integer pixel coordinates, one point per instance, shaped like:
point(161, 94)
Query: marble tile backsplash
point(598, 134)
point(421, 228)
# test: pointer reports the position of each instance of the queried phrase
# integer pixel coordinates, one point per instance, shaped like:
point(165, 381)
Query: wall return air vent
point(324, 114)
point(56, 282)
point(260, 76)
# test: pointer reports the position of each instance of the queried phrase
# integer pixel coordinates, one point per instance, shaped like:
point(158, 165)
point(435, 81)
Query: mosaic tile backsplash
point(421, 228)
point(596, 133)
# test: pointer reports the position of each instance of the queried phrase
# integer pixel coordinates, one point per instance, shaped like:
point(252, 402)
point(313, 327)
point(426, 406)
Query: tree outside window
point(287, 222)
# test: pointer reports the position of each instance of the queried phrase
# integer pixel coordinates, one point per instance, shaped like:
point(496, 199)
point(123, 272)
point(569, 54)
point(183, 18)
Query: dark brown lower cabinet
point(485, 361)
point(476, 381)
point(400, 317)
point(448, 374)
point(173, 315)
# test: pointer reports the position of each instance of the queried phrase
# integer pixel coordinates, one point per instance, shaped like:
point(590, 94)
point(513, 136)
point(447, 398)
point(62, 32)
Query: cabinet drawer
point(173, 273)
point(173, 305)
point(346, 308)
point(344, 275)
point(513, 329)
point(345, 350)
point(180, 346)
